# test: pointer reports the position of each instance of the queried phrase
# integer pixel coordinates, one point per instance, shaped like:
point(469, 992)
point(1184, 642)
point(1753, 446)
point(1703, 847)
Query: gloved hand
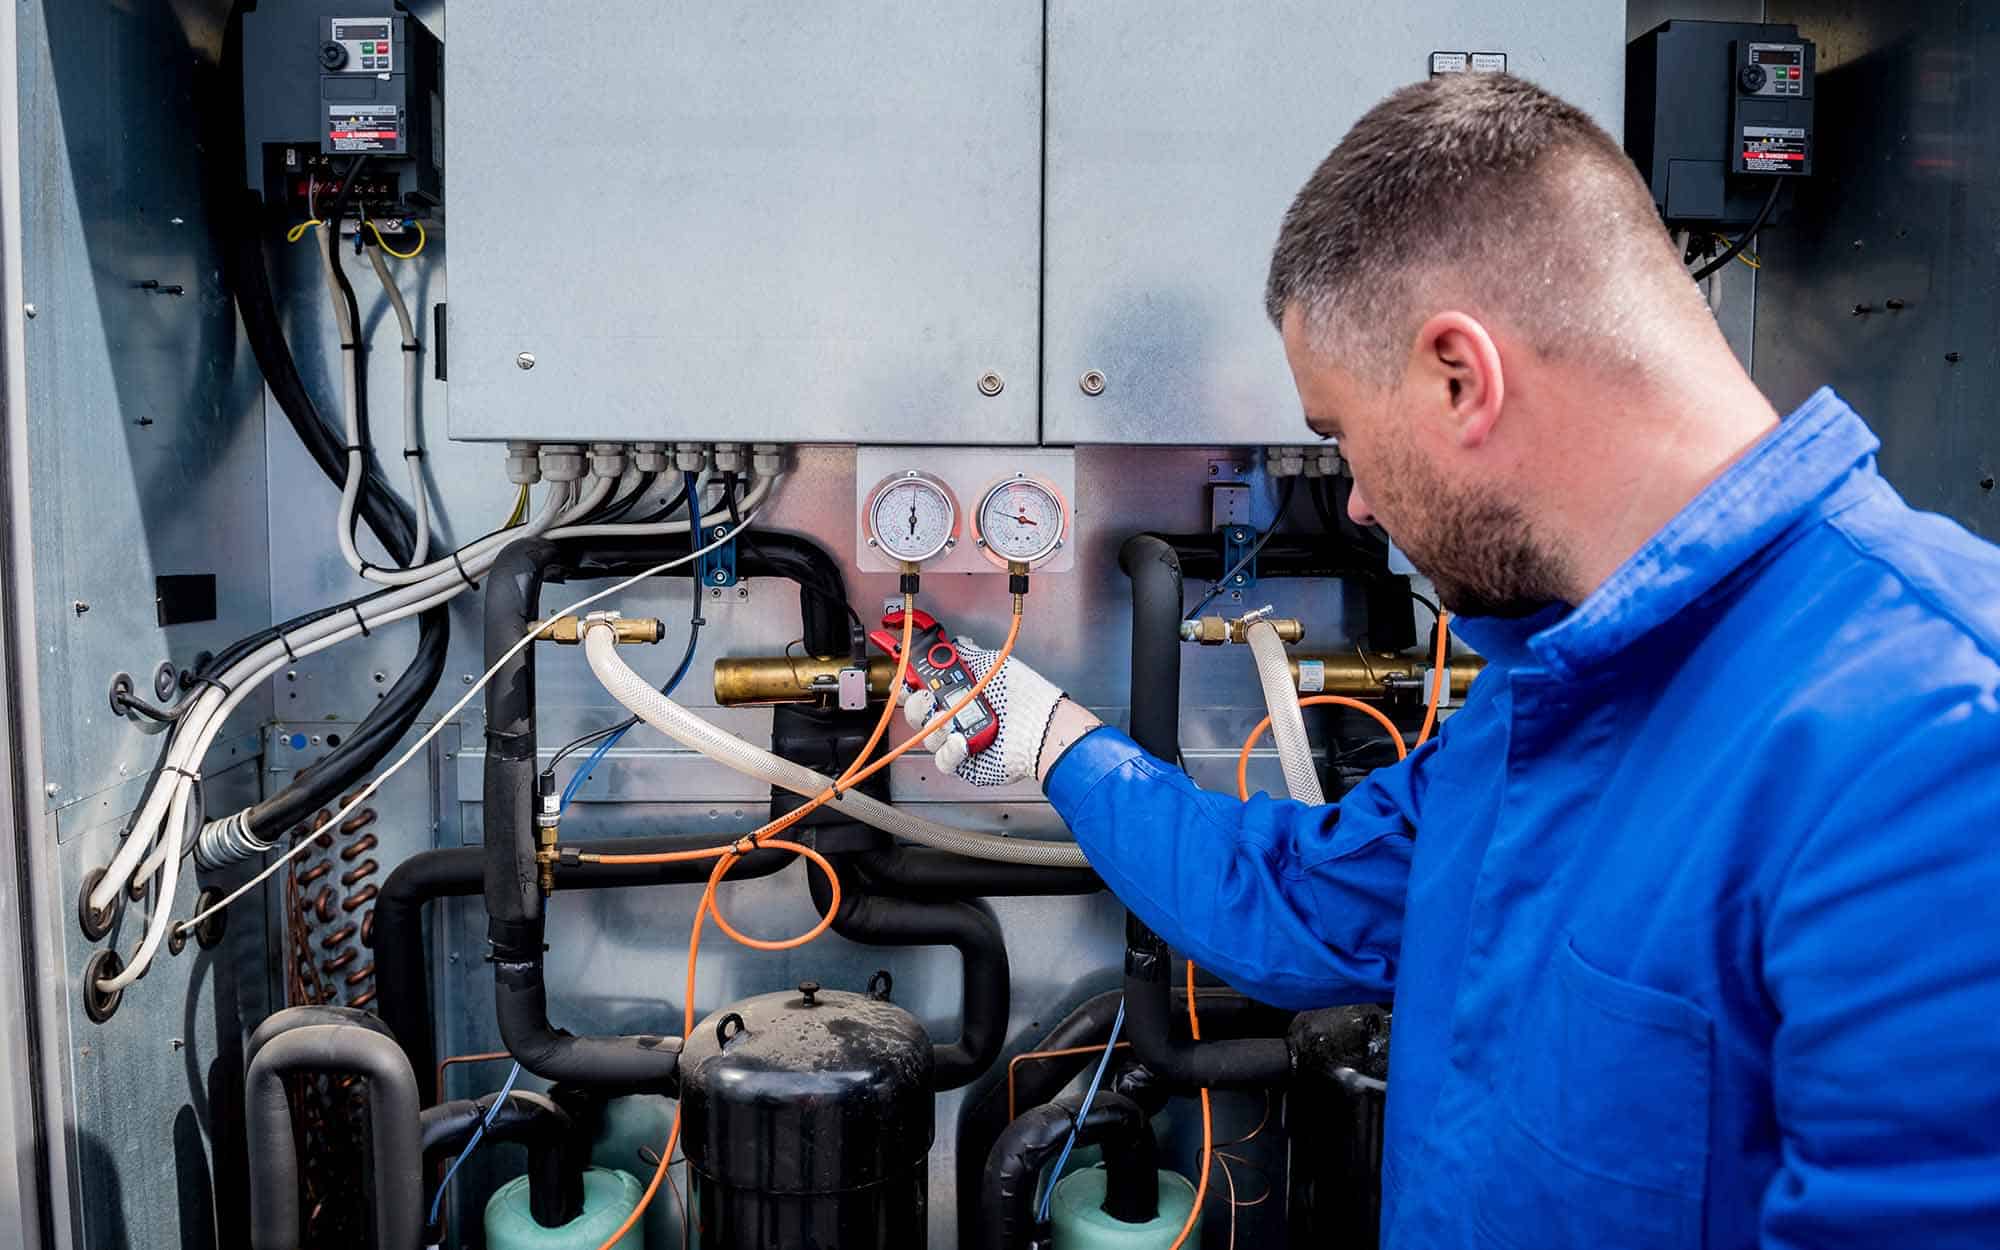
point(1022, 700)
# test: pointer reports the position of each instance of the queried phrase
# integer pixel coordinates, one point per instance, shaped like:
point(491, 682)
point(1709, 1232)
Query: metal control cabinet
point(723, 221)
point(1178, 134)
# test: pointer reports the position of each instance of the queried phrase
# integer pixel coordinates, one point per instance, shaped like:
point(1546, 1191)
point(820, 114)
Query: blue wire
point(1089, 1096)
point(582, 774)
point(500, 1099)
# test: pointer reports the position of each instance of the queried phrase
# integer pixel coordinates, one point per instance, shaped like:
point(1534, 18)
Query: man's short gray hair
point(1481, 192)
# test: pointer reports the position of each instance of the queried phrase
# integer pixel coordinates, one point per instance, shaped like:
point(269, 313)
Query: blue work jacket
point(1691, 915)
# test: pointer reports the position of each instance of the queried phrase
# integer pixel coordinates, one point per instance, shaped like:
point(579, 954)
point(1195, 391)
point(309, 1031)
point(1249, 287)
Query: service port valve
point(568, 630)
point(1213, 631)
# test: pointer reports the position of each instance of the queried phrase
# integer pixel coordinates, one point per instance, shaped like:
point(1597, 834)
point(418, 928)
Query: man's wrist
point(1069, 722)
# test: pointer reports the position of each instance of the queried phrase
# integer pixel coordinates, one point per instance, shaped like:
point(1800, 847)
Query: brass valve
point(568, 630)
point(1213, 631)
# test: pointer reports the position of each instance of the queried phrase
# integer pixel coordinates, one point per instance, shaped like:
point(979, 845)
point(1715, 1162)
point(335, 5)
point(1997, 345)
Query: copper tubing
point(359, 847)
point(360, 872)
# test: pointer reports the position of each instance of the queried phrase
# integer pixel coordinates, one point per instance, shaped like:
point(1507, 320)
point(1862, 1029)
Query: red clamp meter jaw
point(934, 664)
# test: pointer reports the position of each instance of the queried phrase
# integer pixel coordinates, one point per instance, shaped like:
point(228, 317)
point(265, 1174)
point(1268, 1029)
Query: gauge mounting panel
point(943, 484)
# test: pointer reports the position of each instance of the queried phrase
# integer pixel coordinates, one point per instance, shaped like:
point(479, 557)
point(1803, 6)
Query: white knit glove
point(1022, 700)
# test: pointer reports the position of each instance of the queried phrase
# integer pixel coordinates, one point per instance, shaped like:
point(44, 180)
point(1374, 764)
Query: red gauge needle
point(1025, 521)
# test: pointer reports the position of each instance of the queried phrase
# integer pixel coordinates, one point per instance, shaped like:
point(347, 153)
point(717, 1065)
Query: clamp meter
point(934, 664)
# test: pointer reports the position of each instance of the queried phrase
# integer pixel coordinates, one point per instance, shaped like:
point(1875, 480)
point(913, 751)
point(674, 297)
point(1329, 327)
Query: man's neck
point(1654, 459)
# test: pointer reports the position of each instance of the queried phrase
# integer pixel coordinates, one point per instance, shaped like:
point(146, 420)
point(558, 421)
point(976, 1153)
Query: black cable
point(1743, 240)
point(1222, 583)
point(619, 507)
point(663, 512)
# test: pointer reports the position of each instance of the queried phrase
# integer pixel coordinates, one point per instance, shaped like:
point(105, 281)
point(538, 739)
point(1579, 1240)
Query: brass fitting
point(1213, 631)
point(1373, 674)
point(755, 679)
point(548, 828)
point(568, 630)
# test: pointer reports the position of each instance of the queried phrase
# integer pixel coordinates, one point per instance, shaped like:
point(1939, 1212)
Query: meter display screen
point(1774, 56)
point(360, 32)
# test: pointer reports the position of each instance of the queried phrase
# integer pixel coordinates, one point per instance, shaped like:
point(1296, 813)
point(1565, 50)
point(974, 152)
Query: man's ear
point(1457, 365)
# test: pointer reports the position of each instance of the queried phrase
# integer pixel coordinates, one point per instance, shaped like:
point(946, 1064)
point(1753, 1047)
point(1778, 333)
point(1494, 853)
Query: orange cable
point(725, 856)
point(1317, 700)
point(1441, 678)
point(1207, 1127)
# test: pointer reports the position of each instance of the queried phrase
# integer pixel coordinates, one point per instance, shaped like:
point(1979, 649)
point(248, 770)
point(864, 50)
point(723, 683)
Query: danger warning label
point(1774, 149)
point(365, 127)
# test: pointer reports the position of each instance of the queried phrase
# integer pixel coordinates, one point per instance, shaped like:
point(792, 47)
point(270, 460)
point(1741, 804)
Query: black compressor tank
point(807, 1119)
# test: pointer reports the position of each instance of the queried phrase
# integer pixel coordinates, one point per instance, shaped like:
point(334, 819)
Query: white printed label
point(1489, 62)
point(1447, 63)
point(1312, 676)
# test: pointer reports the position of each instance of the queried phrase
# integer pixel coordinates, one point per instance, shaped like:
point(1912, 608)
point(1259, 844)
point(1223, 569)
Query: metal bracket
point(718, 567)
point(1237, 542)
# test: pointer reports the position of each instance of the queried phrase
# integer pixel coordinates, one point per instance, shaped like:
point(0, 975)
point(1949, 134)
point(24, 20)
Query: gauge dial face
point(912, 517)
point(1021, 520)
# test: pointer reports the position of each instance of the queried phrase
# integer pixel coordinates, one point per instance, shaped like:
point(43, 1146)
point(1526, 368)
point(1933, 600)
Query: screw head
point(1239, 579)
point(991, 384)
point(719, 576)
point(79, 607)
point(30, 310)
point(1238, 536)
point(52, 789)
point(1092, 382)
point(526, 360)
point(466, 678)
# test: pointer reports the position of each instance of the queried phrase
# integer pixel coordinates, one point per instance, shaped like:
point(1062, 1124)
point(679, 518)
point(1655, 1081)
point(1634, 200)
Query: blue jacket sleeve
point(1298, 906)
point(1882, 958)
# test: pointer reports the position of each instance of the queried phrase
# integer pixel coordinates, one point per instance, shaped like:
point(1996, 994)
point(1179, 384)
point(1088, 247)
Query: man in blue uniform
point(1691, 915)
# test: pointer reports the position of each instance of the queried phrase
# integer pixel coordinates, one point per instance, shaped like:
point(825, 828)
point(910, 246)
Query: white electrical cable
point(350, 373)
point(198, 727)
point(451, 713)
point(641, 698)
point(413, 438)
point(1288, 722)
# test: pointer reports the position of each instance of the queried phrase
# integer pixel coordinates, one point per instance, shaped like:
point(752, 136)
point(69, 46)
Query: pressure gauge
point(911, 516)
point(1020, 521)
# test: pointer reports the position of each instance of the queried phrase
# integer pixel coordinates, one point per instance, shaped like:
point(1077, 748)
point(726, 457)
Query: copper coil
point(360, 898)
point(340, 961)
point(368, 930)
point(324, 904)
point(337, 937)
point(315, 872)
point(360, 846)
point(361, 974)
point(360, 872)
point(362, 999)
point(360, 820)
point(349, 797)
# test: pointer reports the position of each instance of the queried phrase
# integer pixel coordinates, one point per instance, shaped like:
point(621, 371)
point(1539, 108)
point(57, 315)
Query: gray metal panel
point(1178, 134)
point(800, 223)
point(1903, 207)
point(148, 454)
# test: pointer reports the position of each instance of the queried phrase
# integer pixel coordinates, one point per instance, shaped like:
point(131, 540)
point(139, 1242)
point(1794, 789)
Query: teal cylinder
point(631, 1131)
point(609, 1196)
point(1077, 1210)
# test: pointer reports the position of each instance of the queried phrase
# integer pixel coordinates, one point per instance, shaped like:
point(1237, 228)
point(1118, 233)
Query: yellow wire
point(422, 239)
point(520, 511)
point(1749, 258)
point(299, 231)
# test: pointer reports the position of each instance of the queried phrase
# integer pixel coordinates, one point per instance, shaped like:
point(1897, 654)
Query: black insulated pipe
point(397, 1156)
point(873, 920)
point(930, 875)
point(1014, 1167)
point(514, 916)
point(557, 1156)
point(402, 969)
point(1154, 567)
